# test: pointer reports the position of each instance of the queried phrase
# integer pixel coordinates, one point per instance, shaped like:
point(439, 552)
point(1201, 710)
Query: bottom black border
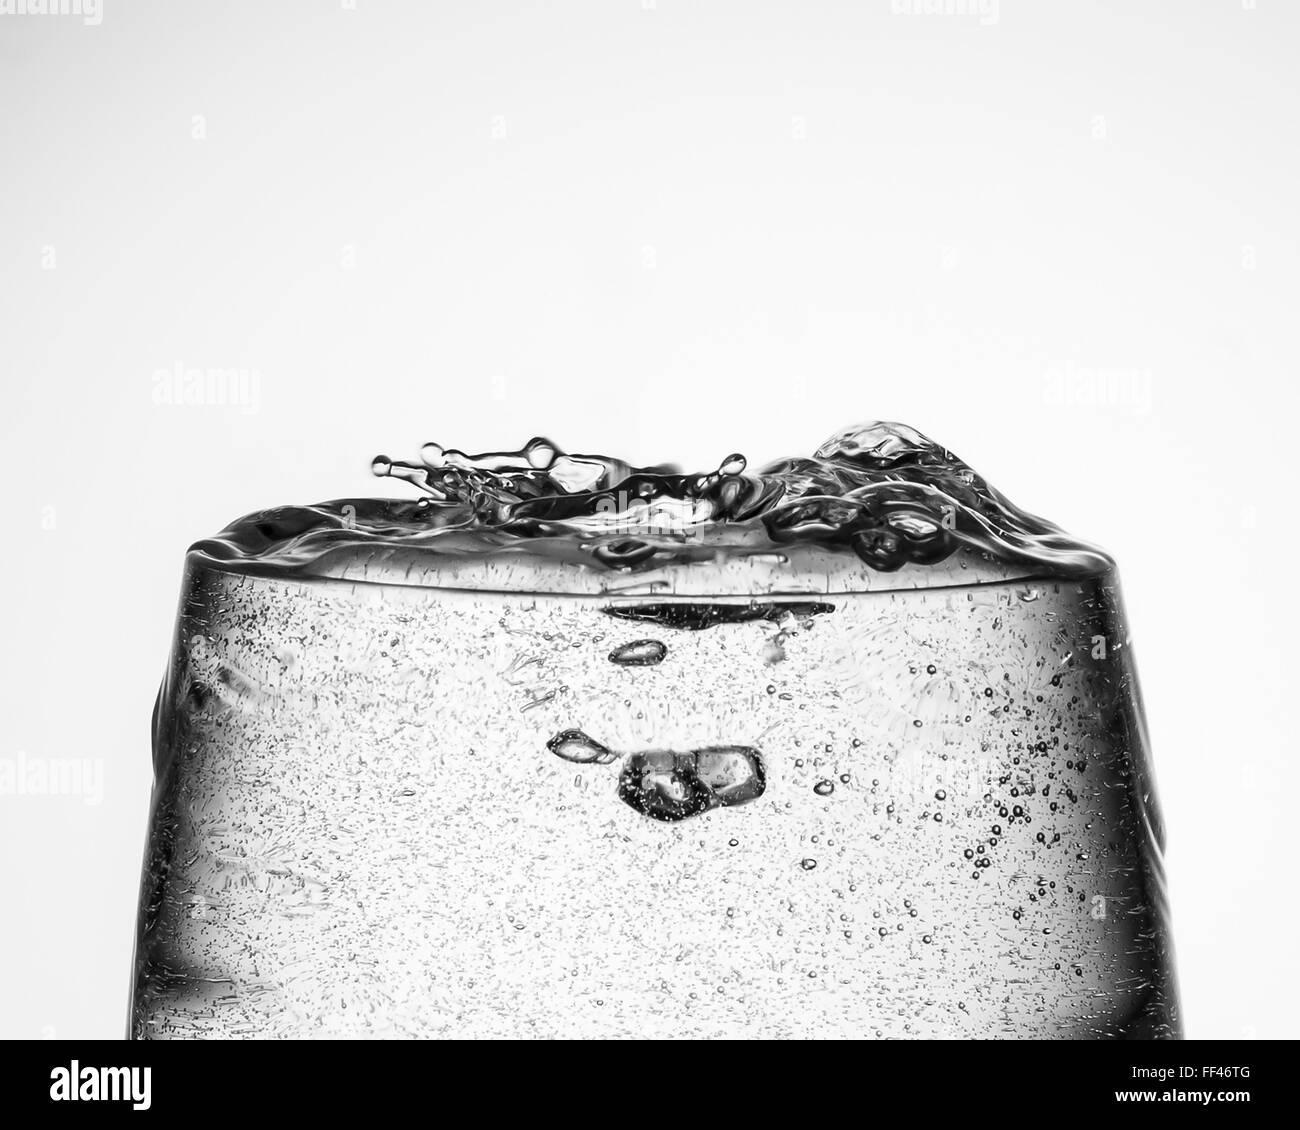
point(217, 1078)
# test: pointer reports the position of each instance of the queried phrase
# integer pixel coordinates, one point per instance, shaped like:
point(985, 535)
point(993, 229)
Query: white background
point(1060, 238)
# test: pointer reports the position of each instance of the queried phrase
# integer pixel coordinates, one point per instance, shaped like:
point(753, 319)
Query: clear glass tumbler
point(400, 796)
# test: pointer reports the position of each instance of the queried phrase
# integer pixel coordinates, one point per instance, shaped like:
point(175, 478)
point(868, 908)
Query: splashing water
point(874, 499)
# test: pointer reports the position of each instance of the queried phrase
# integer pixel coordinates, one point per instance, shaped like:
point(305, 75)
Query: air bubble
point(639, 653)
point(575, 746)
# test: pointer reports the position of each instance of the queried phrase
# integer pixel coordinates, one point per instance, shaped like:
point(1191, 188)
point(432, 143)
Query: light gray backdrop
point(1059, 237)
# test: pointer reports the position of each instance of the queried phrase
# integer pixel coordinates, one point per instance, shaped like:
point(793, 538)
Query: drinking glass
point(400, 792)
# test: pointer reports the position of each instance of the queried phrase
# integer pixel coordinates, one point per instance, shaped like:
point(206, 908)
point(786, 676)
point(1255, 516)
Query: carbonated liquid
point(434, 773)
